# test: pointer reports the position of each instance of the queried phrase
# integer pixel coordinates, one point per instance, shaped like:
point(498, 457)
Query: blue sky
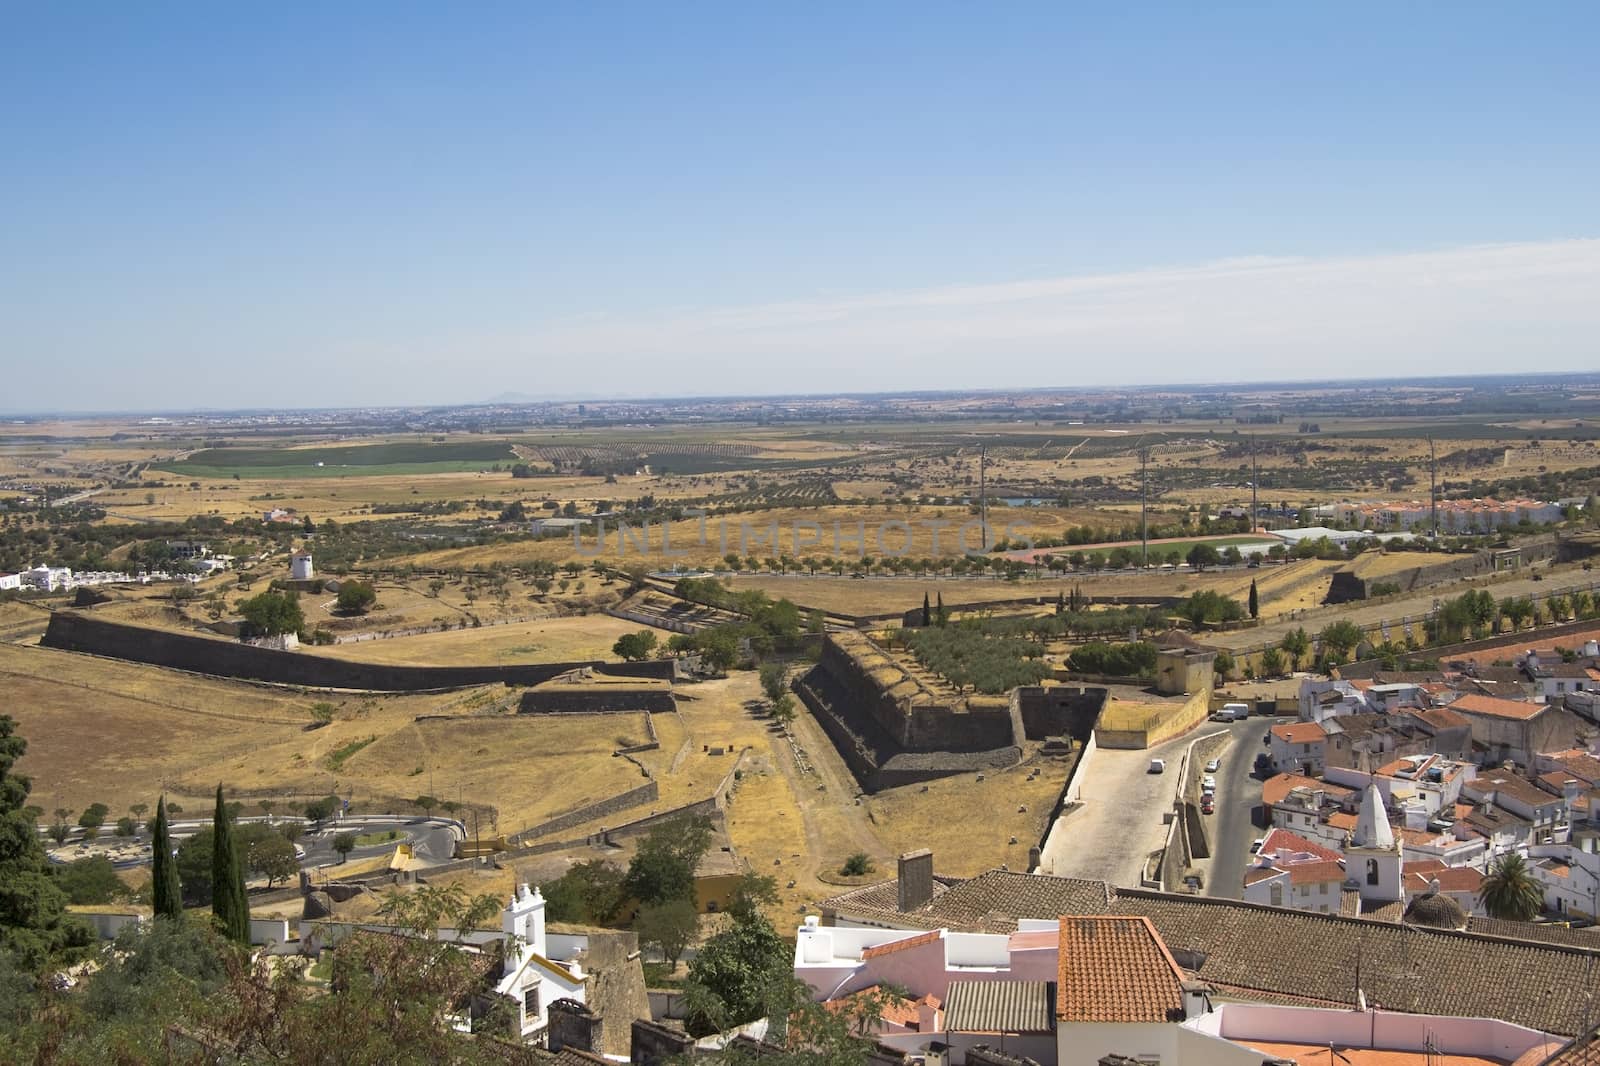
point(395, 203)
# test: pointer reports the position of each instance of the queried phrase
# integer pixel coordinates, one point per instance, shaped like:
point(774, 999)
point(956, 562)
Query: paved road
point(1233, 828)
point(1414, 607)
point(1120, 822)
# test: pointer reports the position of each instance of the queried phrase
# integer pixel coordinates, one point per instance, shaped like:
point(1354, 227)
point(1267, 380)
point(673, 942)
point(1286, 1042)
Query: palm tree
point(1509, 890)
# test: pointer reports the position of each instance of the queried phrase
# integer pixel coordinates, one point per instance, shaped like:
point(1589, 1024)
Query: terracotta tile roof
point(1498, 708)
point(1316, 873)
point(1280, 840)
point(898, 1010)
point(1392, 911)
point(1300, 733)
point(1350, 903)
point(1116, 969)
point(877, 951)
point(1277, 787)
point(1450, 878)
point(1313, 956)
point(1256, 874)
point(1342, 820)
point(1506, 783)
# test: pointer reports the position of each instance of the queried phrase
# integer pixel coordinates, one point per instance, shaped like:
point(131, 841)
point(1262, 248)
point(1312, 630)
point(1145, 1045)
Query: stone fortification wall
point(909, 714)
point(75, 631)
point(1350, 582)
point(1059, 710)
point(597, 699)
point(648, 792)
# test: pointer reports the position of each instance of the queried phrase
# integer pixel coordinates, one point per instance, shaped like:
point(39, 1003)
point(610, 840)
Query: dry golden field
point(547, 640)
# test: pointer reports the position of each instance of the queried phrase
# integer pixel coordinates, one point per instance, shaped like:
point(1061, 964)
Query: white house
point(48, 578)
point(10, 581)
point(300, 568)
point(529, 978)
point(1298, 747)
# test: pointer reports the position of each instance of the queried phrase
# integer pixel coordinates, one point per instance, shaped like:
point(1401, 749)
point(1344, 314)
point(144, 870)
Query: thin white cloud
point(1477, 309)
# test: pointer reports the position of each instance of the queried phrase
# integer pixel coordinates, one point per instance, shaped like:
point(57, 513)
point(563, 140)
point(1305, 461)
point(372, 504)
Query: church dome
point(1435, 911)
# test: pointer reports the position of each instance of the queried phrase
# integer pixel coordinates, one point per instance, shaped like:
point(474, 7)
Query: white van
point(1158, 766)
point(1235, 712)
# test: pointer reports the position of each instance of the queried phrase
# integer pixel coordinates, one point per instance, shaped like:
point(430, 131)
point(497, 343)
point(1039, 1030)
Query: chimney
point(915, 880)
point(1196, 999)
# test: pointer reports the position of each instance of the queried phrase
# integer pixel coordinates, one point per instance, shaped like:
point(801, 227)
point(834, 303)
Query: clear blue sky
point(233, 205)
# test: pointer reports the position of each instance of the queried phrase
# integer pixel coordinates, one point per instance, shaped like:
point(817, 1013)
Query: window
point(1324, 888)
point(1277, 893)
point(530, 1004)
point(1372, 871)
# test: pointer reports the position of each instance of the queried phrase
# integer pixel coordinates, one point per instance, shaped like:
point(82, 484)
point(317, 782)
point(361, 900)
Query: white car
point(1256, 846)
point(1208, 784)
point(1213, 766)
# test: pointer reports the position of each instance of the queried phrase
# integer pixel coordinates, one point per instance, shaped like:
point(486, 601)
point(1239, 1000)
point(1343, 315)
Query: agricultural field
point(422, 457)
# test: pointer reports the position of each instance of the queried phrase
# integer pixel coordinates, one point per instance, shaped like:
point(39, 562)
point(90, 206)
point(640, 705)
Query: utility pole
point(1433, 490)
point(983, 497)
point(1255, 480)
point(1144, 503)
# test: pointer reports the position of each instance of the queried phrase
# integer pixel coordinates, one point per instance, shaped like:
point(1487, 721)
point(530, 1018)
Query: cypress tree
point(228, 901)
point(927, 616)
point(1255, 600)
point(164, 868)
point(941, 616)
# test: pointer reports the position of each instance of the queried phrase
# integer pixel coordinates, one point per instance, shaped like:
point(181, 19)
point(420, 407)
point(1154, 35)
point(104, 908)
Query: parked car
point(1208, 784)
point(1207, 807)
point(1213, 766)
point(1255, 846)
point(1158, 766)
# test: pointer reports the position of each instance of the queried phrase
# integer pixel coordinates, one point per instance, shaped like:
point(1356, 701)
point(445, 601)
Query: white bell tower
point(523, 923)
point(1373, 859)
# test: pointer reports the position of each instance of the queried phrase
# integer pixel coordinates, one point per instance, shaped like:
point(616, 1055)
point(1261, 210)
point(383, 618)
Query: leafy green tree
point(271, 855)
point(669, 927)
point(663, 868)
point(229, 903)
point(427, 803)
point(153, 970)
point(1272, 662)
point(772, 675)
point(589, 893)
point(1222, 665)
point(858, 864)
point(356, 597)
point(1254, 602)
point(635, 647)
point(271, 614)
point(321, 810)
point(1208, 606)
point(94, 816)
point(166, 893)
point(741, 974)
point(750, 894)
point(192, 865)
point(783, 708)
point(34, 924)
point(1203, 555)
point(90, 881)
point(1296, 644)
point(1510, 891)
point(1341, 637)
point(344, 844)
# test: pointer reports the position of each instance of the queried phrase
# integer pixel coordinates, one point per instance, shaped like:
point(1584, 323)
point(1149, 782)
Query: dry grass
point(970, 823)
point(549, 640)
point(885, 595)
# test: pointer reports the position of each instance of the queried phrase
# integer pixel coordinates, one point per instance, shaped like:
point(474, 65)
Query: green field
point(361, 460)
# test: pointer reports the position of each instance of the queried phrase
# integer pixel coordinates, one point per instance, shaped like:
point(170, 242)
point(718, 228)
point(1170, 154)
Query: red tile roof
point(1451, 879)
point(879, 950)
point(1283, 840)
point(1116, 969)
point(896, 1010)
point(1300, 732)
point(1498, 708)
point(1276, 788)
point(1316, 873)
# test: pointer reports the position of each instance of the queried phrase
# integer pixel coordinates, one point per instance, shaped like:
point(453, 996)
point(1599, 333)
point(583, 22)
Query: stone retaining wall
point(71, 630)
